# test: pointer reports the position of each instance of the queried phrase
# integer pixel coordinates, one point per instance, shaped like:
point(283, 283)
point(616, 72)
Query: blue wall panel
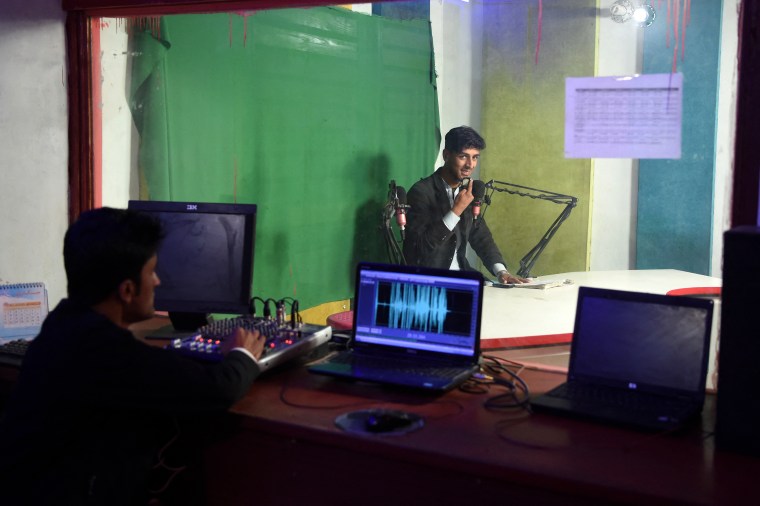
point(675, 206)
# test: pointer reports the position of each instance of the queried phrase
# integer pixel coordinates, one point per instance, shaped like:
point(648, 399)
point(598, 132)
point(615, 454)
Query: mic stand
point(392, 244)
point(527, 262)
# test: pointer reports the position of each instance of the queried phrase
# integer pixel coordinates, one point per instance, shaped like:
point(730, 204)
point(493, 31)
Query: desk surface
point(284, 448)
point(464, 452)
point(525, 316)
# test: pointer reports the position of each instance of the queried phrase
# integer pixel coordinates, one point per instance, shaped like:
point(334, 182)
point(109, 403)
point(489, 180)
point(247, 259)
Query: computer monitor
point(205, 261)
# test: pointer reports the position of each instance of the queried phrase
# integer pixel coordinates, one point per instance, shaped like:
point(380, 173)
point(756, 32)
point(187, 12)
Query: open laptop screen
point(643, 341)
point(431, 312)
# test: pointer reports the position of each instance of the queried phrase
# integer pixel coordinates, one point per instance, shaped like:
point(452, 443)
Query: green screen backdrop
point(308, 113)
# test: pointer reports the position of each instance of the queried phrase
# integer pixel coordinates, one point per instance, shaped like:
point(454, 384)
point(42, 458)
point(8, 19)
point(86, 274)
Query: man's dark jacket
point(83, 423)
point(430, 243)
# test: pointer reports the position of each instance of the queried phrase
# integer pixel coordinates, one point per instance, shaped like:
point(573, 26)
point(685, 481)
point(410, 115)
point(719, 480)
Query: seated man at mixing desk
point(442, 214)
point(92, 403)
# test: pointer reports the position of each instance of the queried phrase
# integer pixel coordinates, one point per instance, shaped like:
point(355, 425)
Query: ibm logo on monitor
point(192, 207)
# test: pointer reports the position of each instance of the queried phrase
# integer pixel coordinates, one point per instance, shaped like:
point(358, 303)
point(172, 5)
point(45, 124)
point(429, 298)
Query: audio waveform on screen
point(425, 308)
point(414, 307)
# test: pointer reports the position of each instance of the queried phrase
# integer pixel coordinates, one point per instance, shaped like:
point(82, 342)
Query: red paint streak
point(245, 29)
point(244, 15)
point(675, 35)
point(686, 17)
point(677, 14)
point(141, 23)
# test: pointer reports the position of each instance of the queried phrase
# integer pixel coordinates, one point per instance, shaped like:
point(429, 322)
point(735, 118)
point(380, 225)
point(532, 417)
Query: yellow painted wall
point(318, 314)
point(523, 124)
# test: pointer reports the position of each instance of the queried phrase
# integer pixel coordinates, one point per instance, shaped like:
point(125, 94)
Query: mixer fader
point(284, 341)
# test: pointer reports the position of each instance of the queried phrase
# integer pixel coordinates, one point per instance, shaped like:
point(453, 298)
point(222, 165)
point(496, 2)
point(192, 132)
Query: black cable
point(161, 464)
point(252, 306)
point(267, 309)
point(401, 401)
point(295, 315)
point(518, 394)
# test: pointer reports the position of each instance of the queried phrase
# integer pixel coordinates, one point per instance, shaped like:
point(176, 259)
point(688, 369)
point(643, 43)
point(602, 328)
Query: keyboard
point(630, 400)
point(395, 366)
point(283, 341)
point(12, 353)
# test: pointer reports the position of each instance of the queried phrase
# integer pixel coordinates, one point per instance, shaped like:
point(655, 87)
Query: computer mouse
point(388, 421)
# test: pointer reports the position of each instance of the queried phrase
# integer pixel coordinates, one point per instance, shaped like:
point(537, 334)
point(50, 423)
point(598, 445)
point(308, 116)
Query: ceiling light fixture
point(644, 14)
point(640, 11)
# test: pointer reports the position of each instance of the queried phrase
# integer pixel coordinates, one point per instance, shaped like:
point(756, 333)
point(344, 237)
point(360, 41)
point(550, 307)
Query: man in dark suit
point(92, 402)
point(440, 221)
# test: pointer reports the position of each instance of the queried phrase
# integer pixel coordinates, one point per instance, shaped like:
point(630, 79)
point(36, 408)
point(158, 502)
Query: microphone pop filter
point(478, 189)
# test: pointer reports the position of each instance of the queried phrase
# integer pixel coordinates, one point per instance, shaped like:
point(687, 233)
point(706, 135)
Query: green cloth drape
point(308, 113)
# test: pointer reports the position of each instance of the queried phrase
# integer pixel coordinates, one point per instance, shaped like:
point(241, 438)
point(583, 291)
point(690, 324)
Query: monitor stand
point(183, 325)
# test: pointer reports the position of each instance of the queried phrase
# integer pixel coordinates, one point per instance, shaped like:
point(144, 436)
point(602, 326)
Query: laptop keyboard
point(395, 366)
point(629, 399)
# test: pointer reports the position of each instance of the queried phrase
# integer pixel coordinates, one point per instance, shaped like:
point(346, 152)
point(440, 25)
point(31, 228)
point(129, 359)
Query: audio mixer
point(284, 341)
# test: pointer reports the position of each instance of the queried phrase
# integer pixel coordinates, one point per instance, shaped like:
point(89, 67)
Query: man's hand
point(253, 341)
point(464, 198)
point(510, 279)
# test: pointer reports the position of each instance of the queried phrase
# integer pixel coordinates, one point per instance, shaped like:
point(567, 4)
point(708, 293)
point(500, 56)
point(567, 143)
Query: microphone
point(478, 191)
point(399, 203)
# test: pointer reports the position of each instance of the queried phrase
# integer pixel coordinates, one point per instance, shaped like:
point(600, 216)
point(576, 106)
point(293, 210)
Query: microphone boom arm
point(528, 261)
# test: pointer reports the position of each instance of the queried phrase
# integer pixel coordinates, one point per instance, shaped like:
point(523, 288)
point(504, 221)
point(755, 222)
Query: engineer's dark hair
point(105, 247)
point(460, 138)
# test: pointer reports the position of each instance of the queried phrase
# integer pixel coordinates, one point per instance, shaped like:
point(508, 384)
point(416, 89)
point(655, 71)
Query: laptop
point(413, 327)
point(636, 359)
